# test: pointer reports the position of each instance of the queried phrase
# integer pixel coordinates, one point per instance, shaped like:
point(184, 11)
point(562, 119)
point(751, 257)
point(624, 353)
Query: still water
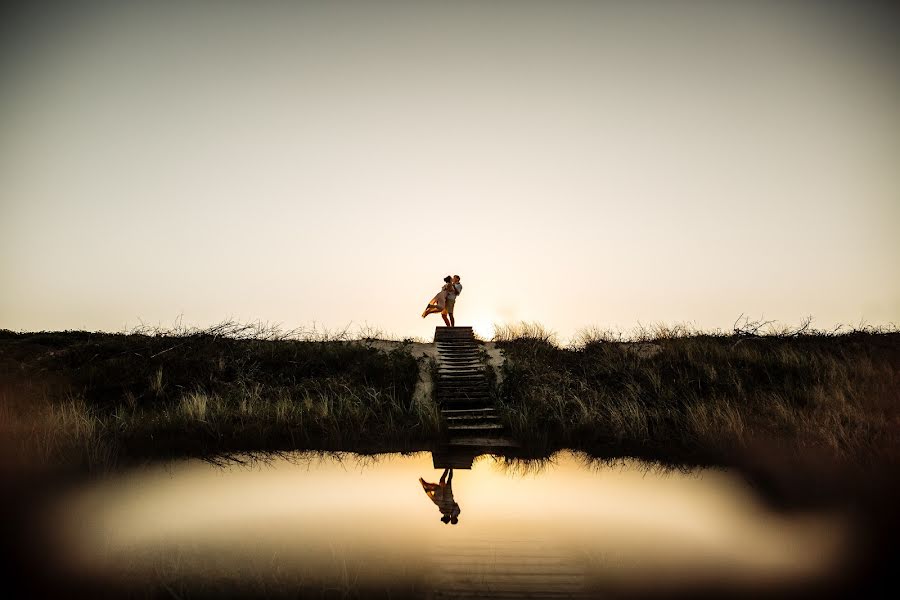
point(343, 523)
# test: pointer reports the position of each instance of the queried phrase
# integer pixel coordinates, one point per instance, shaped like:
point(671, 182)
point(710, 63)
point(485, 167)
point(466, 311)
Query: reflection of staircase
point(461, 387)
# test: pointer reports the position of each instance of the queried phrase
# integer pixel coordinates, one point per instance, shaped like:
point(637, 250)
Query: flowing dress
point(440, 300)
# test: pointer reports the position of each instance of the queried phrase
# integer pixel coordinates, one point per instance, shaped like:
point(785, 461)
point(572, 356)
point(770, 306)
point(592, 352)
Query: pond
point(345, 524)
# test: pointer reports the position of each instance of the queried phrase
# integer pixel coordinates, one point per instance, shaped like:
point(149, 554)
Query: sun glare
point(483, 328)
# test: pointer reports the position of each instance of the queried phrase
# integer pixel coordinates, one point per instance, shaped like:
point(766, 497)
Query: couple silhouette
point(445, 300)
point(441, 494)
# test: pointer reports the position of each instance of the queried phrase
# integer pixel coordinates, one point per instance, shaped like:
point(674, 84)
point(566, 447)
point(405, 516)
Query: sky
point(326, 164)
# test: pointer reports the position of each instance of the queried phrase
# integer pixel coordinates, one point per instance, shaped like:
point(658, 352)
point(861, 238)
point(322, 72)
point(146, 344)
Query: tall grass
point(97, 397)
point(692, 394)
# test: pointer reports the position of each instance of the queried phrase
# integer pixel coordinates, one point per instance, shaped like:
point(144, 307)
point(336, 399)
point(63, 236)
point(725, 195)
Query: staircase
point(461, 388)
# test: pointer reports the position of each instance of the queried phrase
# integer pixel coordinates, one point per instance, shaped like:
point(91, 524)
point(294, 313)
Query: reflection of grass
point(676, 393)
point(91, 398)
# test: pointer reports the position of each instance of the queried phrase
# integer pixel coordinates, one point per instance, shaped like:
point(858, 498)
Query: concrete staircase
point(461, 388)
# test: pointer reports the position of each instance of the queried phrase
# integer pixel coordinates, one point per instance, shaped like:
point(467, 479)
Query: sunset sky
point(577, 163)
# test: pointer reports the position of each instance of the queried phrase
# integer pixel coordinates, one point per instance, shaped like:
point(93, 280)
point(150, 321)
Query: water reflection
point(441, 494)
point(565, 530)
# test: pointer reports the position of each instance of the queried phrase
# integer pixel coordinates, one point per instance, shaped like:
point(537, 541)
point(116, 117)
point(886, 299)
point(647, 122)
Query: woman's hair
point(448, 279)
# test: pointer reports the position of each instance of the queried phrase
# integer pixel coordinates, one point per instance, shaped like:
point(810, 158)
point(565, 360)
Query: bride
point(437, 304)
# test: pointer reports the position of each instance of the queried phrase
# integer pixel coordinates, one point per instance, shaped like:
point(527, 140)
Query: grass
point(98, 398)
point(670, 394)
point(680, 394)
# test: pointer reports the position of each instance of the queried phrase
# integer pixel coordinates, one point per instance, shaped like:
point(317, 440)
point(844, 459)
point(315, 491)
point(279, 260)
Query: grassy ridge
point(107, 396)
point(681, 394)
point(671, 395)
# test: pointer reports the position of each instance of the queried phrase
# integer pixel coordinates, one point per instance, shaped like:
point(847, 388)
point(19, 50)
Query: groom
point(451, 301)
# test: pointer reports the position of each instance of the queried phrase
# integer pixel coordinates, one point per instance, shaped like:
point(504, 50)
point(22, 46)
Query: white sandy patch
point(424, 392)
point(495, 360)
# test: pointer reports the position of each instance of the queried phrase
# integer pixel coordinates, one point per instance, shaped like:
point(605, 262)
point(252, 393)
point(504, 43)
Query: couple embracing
point(445, 300)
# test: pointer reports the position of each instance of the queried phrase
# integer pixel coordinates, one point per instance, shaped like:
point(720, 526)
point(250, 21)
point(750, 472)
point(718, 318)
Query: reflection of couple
point(442, 495)
point(445, 300)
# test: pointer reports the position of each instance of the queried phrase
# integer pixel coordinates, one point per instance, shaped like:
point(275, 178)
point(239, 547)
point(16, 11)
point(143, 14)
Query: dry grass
point(95, 399)
point(678, 393)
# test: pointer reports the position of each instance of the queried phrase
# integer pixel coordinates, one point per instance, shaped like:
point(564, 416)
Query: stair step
point(463, 386)
point(490, 427)
point(468, 411)
point(483, 400)
point(469, 401)
point(473, 419)
point(468, 372)
point(473, 388)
